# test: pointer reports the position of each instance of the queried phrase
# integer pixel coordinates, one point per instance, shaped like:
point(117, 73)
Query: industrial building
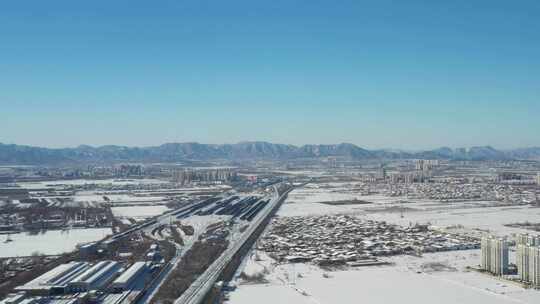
point(56, 280)
point(95, 277)
point(72, 277)
point(77, 283)
point(20, 298)
point(494, 255)
point(129, 276)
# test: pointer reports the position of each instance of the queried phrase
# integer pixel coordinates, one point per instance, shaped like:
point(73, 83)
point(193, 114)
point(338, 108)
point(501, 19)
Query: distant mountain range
point(175, 152)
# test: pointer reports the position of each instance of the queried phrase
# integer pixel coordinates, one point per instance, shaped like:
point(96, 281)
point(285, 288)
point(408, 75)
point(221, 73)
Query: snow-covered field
point(410, 280)
point(306, 200)
point(50, 242)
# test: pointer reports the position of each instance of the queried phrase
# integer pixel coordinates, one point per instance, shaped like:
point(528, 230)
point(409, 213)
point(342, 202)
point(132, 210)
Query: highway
point(204, 283)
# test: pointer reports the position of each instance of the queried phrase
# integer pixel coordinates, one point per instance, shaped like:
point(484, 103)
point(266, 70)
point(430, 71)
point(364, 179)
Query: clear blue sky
point(401, 74)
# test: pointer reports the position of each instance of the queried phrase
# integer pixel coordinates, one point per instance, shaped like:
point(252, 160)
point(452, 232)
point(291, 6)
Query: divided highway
point(204, 283)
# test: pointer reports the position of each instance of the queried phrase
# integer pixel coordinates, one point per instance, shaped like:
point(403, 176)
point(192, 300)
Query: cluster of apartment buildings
point(188, 176)
point(426, 164)
point(495, 257)
point(125, 170)
point(410, 177)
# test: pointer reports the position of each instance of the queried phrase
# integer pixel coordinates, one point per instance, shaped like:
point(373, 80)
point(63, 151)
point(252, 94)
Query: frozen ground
point(410, 280)
point(306, 200)
point(50, 242)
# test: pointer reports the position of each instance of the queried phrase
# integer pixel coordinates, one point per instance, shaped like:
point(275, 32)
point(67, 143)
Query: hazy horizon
point(271, 142)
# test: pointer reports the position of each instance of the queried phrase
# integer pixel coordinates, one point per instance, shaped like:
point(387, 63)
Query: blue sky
point(380, 74)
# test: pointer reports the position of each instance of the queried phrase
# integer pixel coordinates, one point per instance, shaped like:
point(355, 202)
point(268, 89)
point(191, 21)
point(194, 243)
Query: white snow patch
point(50, 242)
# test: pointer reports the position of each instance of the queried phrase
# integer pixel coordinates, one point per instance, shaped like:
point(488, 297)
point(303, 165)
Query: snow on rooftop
point(127, 275)
point(139, 211)
point(83, 277)
point(55, 273)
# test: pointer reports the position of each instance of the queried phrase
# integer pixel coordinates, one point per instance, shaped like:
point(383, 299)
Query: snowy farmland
point(308, 200)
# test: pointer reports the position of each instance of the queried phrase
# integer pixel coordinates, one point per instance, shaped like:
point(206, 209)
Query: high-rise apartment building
point(494, 255)
point(187, 176)
point(485, 245)
point(499, 257)
point(528, 258)
point(523, 261)
point(426, 164)
point(534, 266)
point(528, 239)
